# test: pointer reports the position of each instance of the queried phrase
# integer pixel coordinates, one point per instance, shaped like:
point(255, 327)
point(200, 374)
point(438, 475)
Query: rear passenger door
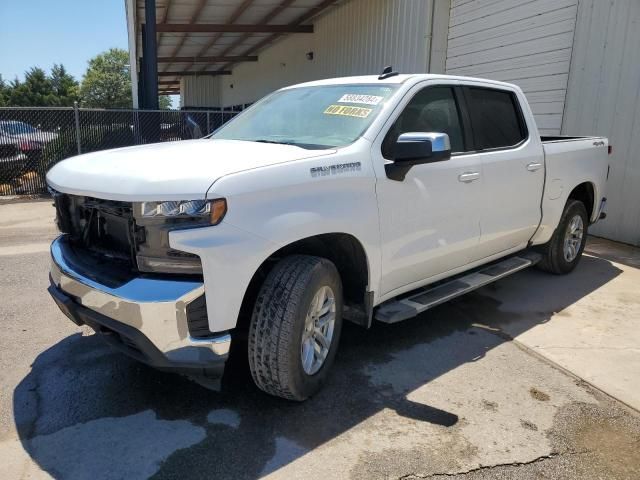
point(512, 165)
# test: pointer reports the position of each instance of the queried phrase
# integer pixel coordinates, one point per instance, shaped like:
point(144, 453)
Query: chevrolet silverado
point(362, 198)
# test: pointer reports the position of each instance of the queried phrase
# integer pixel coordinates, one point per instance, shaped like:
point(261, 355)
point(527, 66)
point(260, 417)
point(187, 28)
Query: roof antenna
point(387, 72)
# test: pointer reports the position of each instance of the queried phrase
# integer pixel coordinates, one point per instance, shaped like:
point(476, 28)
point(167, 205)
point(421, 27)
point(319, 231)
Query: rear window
point(495, 118)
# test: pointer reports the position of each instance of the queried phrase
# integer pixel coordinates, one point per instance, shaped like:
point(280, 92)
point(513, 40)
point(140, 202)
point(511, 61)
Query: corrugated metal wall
point(604, 99)
point(356, 37)
point(199, 91)
point(577, 61)
point(526, 43)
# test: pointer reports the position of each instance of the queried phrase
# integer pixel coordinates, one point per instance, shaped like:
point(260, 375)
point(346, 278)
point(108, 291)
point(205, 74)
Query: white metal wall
point(356, 37)
point(604, 99)
point(526, 43)
point(199, 92)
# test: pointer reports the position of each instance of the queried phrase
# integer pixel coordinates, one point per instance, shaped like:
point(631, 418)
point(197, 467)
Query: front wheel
point(295, 327)
point(562, 253)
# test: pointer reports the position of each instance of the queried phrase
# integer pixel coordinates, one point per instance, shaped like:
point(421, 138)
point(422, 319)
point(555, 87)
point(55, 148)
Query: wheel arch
point(350, 258)
point(585, 192)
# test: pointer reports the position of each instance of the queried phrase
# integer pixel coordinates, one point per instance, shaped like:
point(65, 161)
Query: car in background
point(29, 139)
point(12, 160)
point(22, 131)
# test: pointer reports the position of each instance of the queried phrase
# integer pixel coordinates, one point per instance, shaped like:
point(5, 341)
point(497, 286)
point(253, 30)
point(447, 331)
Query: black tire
point(553, 259)
point(278, 322)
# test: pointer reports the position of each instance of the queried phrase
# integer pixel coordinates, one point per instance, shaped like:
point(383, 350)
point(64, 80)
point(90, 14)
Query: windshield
point(17, 128)
point(310, 117)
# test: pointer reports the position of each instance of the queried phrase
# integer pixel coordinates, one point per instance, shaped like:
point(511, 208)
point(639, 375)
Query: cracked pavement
point(447, 394)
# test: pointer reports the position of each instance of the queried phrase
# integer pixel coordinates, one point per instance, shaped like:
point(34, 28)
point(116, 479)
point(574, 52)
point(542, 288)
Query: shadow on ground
point(85, 409)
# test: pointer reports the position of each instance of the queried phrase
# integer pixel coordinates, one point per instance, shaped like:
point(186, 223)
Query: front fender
point(269, 208)
point(229, 257)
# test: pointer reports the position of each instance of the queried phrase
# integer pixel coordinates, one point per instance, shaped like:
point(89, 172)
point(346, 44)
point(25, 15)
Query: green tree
point(165, 102)
point(39, 89)
point(35, 91)
point(4, 91)
point(65, 87)
point(106, 83)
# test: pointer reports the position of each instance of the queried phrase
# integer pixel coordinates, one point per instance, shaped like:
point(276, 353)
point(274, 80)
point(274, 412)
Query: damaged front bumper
point(145, 316)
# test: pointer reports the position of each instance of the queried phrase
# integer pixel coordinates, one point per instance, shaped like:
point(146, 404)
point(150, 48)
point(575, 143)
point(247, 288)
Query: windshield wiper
point(264, 140)
point(306, 146)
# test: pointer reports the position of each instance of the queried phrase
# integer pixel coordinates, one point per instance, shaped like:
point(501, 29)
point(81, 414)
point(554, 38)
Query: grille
point(103, 228)
point(107, 231)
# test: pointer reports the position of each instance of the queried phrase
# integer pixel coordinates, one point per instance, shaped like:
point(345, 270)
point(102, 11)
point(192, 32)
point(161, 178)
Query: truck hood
point(166, 171)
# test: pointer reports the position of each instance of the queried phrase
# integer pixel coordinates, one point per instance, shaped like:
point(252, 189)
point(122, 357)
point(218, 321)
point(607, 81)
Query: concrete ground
point(450, 393)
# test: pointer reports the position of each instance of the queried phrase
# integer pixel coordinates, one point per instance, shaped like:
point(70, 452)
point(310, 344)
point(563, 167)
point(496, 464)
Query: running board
point(417, 302)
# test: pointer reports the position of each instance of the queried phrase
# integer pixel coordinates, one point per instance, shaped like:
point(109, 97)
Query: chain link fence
point(32, 140)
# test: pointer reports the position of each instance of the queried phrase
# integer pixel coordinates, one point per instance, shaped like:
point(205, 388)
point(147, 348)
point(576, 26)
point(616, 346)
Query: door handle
point(532, 167)
point(467, 177)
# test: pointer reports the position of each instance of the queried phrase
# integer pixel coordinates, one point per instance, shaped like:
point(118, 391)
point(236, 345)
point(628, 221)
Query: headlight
point(191, 208)
point(214, 209)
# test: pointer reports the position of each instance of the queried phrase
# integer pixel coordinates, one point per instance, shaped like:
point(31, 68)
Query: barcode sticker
point(364, 99)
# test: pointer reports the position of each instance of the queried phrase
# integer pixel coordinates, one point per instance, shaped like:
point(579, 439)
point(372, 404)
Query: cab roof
point(396, 80)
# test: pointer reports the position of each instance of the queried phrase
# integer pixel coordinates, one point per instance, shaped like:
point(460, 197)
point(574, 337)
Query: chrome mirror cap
point(439, 141)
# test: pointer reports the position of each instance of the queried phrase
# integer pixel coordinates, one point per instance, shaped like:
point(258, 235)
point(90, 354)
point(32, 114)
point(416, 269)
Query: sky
point(43, 32)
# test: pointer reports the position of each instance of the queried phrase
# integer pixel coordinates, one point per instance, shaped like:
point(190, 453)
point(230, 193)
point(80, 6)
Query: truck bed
point(571, 161)
point(561, 138)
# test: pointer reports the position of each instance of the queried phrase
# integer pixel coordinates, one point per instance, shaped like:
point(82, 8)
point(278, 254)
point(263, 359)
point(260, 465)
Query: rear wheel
point(295, 327)
point(562, 253)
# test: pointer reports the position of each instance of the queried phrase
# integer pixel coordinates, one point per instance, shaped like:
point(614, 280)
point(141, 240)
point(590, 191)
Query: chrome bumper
point(148, 315)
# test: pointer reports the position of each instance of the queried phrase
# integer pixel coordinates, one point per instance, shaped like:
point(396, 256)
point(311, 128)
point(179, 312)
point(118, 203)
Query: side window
point(495, 118)
point(433, 109)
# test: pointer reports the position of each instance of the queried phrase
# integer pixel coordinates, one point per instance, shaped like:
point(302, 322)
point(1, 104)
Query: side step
point(425, 298)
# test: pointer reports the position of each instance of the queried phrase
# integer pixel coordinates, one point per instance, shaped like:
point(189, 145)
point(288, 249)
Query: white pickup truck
point(363, 198)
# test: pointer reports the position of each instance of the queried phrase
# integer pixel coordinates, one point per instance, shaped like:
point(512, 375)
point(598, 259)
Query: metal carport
point(172, 39)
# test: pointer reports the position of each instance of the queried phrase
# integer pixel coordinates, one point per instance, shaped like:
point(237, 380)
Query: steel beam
point(312, 12)
point(191, 74)
point(209, 59)
point(233, 28)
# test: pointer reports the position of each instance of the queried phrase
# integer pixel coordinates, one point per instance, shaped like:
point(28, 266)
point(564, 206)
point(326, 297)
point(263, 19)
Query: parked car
point(29, 140)
point(21, 131)
point(12, 161)
point(365, 199)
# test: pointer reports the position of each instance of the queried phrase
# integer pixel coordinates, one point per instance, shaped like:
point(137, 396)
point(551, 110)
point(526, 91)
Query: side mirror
point(415, 148)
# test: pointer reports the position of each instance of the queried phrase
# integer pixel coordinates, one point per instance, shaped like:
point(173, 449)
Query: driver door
point(429, 222)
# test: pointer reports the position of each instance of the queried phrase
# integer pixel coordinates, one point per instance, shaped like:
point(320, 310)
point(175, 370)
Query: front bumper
point(13, 165)
point(146, 317)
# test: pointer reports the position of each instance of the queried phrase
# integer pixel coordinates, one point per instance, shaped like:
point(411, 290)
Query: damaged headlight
point(189, 208)
point(155, 220)
point(214, 209)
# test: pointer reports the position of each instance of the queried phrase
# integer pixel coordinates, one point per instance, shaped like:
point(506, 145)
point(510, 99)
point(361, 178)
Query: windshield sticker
point(364, 99)
point(357, 112)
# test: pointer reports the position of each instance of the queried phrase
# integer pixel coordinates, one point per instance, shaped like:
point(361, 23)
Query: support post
point(150, 56)
point(141, 89)
point(76, 114)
